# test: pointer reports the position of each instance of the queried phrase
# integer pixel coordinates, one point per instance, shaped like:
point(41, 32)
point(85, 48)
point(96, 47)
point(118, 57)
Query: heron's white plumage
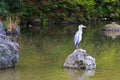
point(78, 36)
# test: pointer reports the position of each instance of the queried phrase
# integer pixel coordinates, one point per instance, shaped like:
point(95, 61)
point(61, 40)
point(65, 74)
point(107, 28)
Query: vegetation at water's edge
point(57, 11)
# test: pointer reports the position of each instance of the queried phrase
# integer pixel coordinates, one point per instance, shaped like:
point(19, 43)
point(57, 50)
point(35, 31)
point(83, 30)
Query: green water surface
point(42, 57)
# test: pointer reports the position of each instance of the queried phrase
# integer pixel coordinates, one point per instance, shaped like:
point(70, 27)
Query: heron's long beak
point(84, 27)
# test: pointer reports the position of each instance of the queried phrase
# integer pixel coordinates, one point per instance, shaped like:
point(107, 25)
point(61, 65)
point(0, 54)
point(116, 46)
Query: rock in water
point(80, 60)
point(112, 30)
point(8, 52)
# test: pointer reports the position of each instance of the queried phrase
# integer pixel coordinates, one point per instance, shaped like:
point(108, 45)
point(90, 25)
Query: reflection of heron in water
point(78, 36)
point(80, 74)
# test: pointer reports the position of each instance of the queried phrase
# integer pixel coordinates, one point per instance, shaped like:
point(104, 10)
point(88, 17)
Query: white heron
point(78, 36)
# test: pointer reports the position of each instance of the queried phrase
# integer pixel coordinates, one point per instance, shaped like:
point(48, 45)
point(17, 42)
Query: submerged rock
point(112, 30)
point(80, 60)
point(8, 52)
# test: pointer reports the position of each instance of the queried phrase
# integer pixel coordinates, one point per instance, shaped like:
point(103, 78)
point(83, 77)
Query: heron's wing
point(76, 38)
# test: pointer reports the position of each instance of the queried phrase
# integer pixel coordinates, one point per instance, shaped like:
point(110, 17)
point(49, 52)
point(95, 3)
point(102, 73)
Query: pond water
point(42, 57)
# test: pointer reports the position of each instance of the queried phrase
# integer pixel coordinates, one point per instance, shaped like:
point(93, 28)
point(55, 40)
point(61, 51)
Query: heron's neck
point(80, 30)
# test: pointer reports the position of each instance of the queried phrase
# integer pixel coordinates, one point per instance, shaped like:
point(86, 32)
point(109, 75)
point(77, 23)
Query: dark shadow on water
point(80, 74)
point(9, 74)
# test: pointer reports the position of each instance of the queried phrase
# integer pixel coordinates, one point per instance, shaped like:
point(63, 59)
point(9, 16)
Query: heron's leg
point(77, 46)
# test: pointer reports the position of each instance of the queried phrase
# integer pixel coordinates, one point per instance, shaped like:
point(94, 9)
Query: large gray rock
point(80, 60)
point(8, 52)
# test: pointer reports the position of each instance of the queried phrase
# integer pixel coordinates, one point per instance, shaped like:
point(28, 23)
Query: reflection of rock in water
point(80, 74)
point(112, 30)
point(8, 75)
point(112, 34)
